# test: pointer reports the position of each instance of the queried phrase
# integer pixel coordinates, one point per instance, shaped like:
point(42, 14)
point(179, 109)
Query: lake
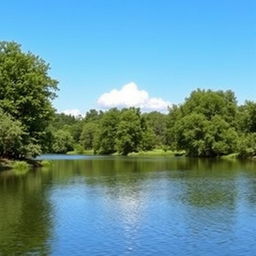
point(92, 205)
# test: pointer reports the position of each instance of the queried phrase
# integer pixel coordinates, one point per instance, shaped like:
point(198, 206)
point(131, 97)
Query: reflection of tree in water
point(206, 190)
point(110, 171)
point(207, 182)
point(217, 183)
point(24, 215)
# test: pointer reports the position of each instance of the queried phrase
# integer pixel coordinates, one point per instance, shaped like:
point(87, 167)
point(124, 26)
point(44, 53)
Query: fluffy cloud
point(72, 112)
point(131, 96)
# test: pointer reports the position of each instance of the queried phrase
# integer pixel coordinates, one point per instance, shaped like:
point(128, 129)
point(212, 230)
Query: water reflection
point(25, 222)
point(130, 206)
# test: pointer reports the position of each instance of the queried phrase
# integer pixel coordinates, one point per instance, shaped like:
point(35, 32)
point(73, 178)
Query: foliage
point(93, 115)
point(26, 91)
point(107, 132)
point(11, 132)
point(20, 165)
point(158, 123)
point(247, 117)
point(129, 131)
point(209, 123)
point(79, 149)
point(63, 142)
point(88, 135)
point(46, 163)
point(205, 125)
point(60, 120)
point(247, 145)
point(149, 140)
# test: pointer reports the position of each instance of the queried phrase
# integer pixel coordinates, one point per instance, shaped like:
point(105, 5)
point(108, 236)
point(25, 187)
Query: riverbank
point(154, 152)
point(84, 152)
point(158, 152)
point(25, 164)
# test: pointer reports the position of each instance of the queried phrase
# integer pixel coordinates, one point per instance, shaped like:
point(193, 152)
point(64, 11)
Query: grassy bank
point(237, 156)
point(157, 152)
point(154, 152)
point(6, 163)
point(230, 156)
point(17, 166)
point(21, 165)
point(83, 152)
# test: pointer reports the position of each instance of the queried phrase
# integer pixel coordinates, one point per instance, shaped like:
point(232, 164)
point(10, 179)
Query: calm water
point(130, 206)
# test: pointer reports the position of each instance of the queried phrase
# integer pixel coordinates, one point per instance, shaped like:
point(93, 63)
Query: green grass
point(157, 152)
point(84, 152)
point(46, 163)
point(230, 156)
point(20, 165)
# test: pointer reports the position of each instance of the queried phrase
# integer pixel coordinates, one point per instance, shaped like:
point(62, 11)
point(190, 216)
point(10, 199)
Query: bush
point(20, 165)
point(247, 146)
point(46, 163)
point(78, 149)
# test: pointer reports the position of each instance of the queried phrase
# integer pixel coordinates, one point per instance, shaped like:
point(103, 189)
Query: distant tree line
point(114, 131)
point(208, 124)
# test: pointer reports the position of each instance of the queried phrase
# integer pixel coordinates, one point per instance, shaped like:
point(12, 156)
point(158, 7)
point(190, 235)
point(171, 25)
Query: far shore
point(6, 164)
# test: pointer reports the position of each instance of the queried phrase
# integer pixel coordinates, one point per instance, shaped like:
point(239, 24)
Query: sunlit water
point(85, 205)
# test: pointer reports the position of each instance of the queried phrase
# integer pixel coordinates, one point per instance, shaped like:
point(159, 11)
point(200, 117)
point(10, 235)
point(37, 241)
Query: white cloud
point(72, 112)
point(131, 96)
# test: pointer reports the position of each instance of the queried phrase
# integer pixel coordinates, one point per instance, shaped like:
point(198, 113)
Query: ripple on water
point(123, 206)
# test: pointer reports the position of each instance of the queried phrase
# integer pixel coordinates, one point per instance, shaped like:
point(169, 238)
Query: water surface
point(87, 205)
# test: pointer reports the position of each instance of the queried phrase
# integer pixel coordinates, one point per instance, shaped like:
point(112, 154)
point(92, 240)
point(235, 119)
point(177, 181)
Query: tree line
point(208, 124)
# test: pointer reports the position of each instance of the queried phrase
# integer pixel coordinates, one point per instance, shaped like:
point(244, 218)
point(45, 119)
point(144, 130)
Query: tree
point(129, 131)
point(149, 139)
point(11, 132)
point(93, 115)
point(247, 125)
point(158, 123)
point(88, 135)
point(26, 91)
point(247, 117)
point(247, 145)
point(205, 125)
point(61, 119)
point(63, 142)
point(211, 103)
point(105, 137)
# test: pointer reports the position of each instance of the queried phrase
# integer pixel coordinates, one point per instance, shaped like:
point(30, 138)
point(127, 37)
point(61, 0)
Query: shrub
point(20, 165)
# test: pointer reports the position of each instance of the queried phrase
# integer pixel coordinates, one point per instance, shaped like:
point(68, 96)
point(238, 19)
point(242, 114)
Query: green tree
point(247, 145)
point(63, 142)
point(88, 135)
point(105, 137)
point(206, 124)
point(61, 119)
point(11, 132)
point(211, 103)
point(158, 123)
point(93, 115)
point(26, 91)
point(149, 139)
point(247, 117)
point(129, 131)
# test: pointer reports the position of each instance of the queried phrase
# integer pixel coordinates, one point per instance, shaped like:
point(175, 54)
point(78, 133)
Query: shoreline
point(21, 164)
point(9, 164)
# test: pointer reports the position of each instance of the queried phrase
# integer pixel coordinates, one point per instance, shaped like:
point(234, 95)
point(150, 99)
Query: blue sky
point(166, 47)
